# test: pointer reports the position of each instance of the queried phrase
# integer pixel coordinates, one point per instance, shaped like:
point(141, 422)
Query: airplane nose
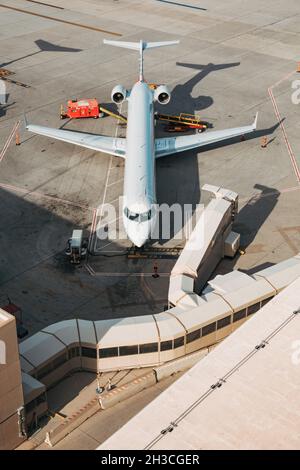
point(138, 233)
point(138, 240)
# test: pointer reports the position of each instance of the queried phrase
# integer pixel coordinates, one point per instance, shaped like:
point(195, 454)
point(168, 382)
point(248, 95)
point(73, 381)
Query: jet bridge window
point(74, 352)
point(239, 315)
point(148, 348)
point(108, 352)
point(193, 336)
point(206, 330)
point(143, 217)
point(264, 302)
point(178, 342)
point(253, 308)
point(223, 322)
point(166, 345)
point(128, 350)
point(89, 352)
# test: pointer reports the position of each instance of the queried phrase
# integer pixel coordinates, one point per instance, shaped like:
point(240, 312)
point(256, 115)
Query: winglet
point(255, 121)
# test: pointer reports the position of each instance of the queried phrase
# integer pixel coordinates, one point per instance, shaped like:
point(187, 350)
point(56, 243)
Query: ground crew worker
point(155, 269)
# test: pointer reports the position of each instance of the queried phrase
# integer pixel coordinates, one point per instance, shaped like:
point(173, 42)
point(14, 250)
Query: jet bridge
point(210, 241)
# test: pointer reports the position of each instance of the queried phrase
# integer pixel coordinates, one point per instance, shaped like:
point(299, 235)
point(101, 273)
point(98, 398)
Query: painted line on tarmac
point(282, 126)
point(9, 140)
point(59, 20)
point(45, 4)
point(89, 269)
point(94, 217)
point(93, 243)
point(27, 192)
point(115, 182)
point(101, 274)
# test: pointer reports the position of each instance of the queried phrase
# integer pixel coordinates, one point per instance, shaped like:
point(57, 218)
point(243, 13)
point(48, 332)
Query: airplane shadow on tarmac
point(36, 275)
point(181, 171)
point(44, 46)
point(182, 99)
point(248, 222)
point(178, 175)
point(253, 215)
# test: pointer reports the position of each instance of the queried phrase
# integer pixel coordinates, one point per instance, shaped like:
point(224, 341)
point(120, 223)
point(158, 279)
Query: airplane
point(140, 148)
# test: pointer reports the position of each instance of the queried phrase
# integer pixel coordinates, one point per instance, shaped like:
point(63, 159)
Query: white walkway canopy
point(254, 405)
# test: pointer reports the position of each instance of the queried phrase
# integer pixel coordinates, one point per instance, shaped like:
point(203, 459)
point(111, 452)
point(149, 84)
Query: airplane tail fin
point(141, 47)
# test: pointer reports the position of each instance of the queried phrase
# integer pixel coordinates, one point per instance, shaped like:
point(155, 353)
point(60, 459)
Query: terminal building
point(23, 399)
point(12, 430)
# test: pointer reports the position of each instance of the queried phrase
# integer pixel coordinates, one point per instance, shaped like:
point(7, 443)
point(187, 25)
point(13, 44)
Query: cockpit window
point(130, 215)
point(143, 217)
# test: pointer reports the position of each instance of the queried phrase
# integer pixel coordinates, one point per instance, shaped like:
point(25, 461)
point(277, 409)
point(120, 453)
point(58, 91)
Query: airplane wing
point(111, 145)
point(169, 145)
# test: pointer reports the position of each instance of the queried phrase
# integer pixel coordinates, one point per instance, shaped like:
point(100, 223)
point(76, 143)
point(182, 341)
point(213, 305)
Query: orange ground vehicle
point(84, 108)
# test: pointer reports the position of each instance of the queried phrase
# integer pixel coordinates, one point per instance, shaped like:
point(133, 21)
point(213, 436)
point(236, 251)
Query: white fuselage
point(139, 179)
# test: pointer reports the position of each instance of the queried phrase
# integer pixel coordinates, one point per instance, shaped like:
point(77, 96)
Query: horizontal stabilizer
point(138, 46)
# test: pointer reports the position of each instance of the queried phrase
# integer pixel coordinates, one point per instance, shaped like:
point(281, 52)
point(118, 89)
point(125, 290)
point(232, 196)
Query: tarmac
point(234, 58)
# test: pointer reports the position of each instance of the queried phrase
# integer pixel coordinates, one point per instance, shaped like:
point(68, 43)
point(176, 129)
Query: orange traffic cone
point(264, 142)
point(18, 138)
point(298, 67)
